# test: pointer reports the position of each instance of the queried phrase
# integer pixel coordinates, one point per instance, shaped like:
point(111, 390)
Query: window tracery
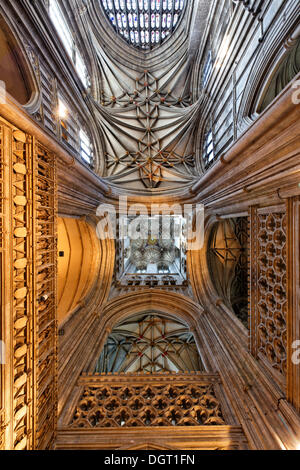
point(208, 149)
point(144, 23)
point(86, 148)
point(207, 69)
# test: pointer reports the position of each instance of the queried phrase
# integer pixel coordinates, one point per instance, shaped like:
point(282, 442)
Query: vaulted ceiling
point(150, 343)
point(145, 108)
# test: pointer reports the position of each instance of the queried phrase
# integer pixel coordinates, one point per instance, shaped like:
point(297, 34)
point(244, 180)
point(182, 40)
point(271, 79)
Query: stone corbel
point(292, 40)
point(222, 160)
point(72, 162)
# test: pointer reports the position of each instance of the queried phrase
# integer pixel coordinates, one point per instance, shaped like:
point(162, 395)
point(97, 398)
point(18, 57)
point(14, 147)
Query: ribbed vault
point(150, 343)
point(143, 100)
point(147, 121)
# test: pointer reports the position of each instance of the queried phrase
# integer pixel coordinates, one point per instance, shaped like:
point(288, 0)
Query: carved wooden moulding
point(172, 404)
point(22, 230)
point(45, 301)
point(28, 258)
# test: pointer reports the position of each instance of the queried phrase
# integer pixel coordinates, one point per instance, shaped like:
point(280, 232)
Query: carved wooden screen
point(45, 327)
point(150, 404)
point(268, 307)
point(140, 411)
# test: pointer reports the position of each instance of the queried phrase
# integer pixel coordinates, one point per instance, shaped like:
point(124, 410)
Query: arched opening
point(227, 257)
point(14, 73)
point(78, 264)
point(282, 74)
point(150, 342)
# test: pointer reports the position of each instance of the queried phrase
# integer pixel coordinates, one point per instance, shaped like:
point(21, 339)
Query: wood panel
point(293, 292)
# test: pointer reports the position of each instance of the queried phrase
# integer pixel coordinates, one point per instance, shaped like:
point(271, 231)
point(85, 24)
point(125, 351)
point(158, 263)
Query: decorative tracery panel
point(177, 402)
point(268, 287)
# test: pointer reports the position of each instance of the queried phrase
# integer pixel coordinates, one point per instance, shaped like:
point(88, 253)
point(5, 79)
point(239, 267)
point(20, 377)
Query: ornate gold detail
point(29, 270)
point(45, 297)
point(22, 250)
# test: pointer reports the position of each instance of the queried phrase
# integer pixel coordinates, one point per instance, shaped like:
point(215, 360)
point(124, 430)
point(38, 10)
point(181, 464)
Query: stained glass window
point(144, 23)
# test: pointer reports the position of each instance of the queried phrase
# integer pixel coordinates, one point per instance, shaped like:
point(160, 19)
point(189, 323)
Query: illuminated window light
point(208, 149)
point(62, 110)
point(68, 41)
point(223, 51)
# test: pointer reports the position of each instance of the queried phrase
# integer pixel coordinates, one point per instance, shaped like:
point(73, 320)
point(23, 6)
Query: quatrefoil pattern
point(272, 302)
point(179, 405)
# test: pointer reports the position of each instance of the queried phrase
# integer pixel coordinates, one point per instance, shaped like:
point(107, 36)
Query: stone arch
point(165, 302)
point(227, 254)
point(284, 71)
point(78, 264)
point(202, 282)
point(276, 48)
point(15, 69)
point(138, 302)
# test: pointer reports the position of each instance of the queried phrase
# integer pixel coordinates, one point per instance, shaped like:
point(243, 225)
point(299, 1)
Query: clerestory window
point(86, 149)
point(66, 36)
point(208, 149)
point(207, 69)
